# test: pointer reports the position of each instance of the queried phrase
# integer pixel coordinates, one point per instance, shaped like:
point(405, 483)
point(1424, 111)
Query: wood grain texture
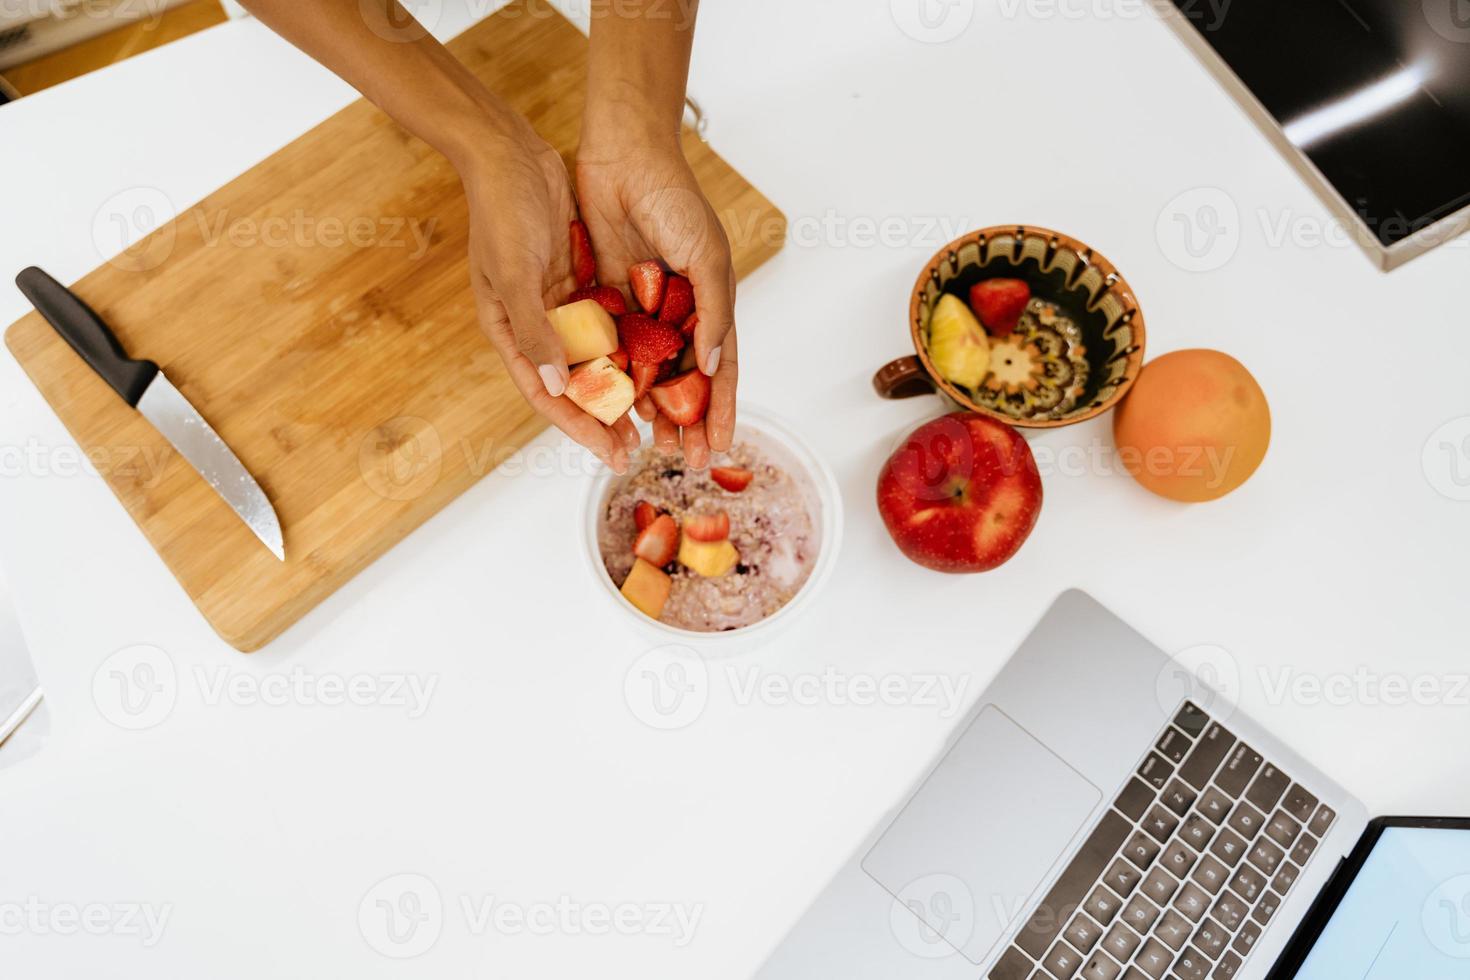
point(347, 370)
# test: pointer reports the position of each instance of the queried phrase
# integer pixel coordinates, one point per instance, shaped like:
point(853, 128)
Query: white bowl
point(824, 502)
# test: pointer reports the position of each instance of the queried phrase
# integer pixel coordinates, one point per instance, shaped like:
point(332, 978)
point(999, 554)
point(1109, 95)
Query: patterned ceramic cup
point(1076, 352)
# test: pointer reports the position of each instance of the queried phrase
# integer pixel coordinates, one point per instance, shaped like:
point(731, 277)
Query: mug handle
point(903, 378)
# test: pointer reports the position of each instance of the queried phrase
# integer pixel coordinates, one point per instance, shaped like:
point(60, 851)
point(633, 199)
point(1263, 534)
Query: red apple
point(961, 494)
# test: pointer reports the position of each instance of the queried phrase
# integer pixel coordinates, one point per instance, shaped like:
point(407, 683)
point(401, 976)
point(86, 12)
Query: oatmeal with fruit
point(708, 550)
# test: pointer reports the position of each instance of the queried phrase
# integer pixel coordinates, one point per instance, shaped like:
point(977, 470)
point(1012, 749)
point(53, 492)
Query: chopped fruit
point(708, 558)
point(585, 329)
point(707, 527)
point(732, 478)
point(683, 399)
point(647, 340)
point(678, 301)
point(999, 304)
point(610, 298)
point(601, 390)
point(584, 263)
point(644, 514)
point(957, 344)
point(657, 543)
point(647, 587)
point(688, 328)
point(620, 358)
point(644, 377)
point(647, 279)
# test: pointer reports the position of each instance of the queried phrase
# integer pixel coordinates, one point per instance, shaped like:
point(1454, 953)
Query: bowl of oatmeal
point(766, 548)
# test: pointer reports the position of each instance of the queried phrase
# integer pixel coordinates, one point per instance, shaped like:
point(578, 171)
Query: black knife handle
point(87, 334)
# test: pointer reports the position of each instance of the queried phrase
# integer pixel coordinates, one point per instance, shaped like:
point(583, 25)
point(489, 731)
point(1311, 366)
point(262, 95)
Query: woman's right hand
point(521, 205)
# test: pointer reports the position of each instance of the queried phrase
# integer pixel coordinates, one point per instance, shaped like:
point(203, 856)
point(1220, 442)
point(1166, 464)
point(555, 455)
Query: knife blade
point(143, 386)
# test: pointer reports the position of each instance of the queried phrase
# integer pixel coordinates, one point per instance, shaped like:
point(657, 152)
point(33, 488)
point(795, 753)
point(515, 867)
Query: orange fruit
point(1194, 427)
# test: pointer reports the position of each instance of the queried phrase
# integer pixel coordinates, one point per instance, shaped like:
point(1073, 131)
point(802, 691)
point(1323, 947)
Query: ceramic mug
point(1074, 356)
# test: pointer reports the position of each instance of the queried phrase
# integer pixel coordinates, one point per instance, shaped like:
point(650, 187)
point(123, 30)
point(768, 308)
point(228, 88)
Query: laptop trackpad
point(978, 837)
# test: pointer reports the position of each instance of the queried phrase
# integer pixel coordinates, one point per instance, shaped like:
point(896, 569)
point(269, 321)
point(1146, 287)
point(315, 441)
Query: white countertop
point(256, 827)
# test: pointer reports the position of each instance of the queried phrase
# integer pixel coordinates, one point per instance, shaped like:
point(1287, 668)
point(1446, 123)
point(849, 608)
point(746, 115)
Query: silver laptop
point(1095, 816)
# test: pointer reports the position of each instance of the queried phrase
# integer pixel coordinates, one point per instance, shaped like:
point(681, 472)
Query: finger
point(627, 431)
point(719, 420)
point(696, 446)
point(713, 278)
point(576, 424)
point(646, 410)
point(665, 436)
point(535, 338)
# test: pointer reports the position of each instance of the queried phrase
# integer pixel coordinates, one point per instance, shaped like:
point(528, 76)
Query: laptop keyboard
point(1182, 874)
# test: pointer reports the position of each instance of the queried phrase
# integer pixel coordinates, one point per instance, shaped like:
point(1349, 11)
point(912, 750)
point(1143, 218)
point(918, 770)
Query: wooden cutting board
point(300, 309)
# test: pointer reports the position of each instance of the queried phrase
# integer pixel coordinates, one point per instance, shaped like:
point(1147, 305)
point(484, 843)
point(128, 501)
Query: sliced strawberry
point(644, 514)
point(647, 279)
point(683, 399)
point(678, 301)
point(644, 376)
point(732, 478)
point(584, 262)
point(999, 304)
point(646, 340)
point(610, 298)
point(688, 328)
point(658, 542)
point(708, 527)
point(620, 358)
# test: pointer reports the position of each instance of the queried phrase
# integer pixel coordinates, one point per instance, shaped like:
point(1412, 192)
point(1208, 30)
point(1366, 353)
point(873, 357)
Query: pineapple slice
point(958, 345)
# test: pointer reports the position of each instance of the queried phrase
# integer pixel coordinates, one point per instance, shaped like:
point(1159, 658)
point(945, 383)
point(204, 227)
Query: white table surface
point(260, 830)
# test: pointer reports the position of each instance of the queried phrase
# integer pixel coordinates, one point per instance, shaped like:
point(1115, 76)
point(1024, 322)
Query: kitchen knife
point(143, 386)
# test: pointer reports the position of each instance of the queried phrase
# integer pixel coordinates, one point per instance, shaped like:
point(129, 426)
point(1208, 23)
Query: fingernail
point(552, 379)
point(712, 362)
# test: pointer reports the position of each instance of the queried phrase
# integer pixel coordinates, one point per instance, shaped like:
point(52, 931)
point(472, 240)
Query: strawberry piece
point(732, 478)
point(644, 376)
point(678, 301)
point(584, 262)
point(620, 358)
point(644, 514)
point(689, 325)
point(647, 280)
point(708, 527)
point(658, 542)
point(648, 341)
point(610, 298)
point(683, 399)
point(999, 304)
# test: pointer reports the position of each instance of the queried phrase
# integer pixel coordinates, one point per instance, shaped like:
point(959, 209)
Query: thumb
point(536, 339)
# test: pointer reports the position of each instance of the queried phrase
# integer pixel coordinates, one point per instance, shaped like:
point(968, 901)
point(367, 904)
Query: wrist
point(616, 123)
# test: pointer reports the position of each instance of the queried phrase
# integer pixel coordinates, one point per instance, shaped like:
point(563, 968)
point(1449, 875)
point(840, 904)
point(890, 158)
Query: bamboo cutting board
point(317, 312)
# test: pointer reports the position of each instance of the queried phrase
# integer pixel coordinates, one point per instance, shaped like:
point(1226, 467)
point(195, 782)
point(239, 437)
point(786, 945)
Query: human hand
point(640, 200)
point(521, 204)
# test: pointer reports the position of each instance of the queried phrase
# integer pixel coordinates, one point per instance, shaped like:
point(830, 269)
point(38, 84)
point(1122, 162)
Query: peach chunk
point(647, 588)
point(601, 390)
point(585, 329)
